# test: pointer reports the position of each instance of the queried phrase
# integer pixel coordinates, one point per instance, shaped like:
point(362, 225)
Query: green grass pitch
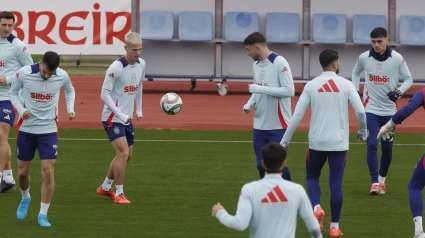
point(173, 184)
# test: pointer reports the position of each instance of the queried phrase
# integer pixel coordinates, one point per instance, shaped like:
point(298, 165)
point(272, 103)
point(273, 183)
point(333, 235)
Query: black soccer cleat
point(5, 187)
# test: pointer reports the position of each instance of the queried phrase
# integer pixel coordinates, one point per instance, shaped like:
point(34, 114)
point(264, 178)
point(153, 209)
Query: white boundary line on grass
point(207, 141)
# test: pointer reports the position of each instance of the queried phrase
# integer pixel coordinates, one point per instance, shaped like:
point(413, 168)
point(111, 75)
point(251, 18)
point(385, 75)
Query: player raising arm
point(328, 137)
point(122, 85)
point(14, 54)
point(417, 182)
point(271, 96)
point(270, 206)
point(382, 68)
point(37, 127)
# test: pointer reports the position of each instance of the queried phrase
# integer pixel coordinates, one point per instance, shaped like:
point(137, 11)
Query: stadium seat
point(363, 24)
point(412, 30)
point(282, 27)
point(330, 28)
point(238, 25)
point(157, 25)
point(195, 26)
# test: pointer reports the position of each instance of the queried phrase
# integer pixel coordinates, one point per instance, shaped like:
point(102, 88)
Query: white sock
point(107, 184)
point(44, 208)
point(120, 189)
point(418, 225)
point(8, 176)
point(25, 193)
point(1, 175)
point(381, 179)
point(335, 224)
point(316, 207)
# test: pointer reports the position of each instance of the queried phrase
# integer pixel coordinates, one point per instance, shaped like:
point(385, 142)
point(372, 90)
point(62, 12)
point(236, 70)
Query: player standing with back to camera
point(270, 206)
point(271, 96)
point(382, 68)
point(328, 136)
point(122, 85)
point(37, 127)
point(14, 54)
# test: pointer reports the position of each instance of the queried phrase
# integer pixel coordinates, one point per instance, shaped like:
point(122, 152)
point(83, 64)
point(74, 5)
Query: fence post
point(135, 16)
point(218, 29)
point(306, 37)
point(392, 20)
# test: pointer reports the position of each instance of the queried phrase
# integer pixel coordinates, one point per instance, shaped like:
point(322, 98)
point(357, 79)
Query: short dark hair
point(273, 156)
point(327, 57)
point(378, 32)
point(254, 38)
point(7, 15)
point(51, 59)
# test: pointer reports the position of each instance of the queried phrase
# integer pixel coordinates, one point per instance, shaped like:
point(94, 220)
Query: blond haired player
point(122, 85)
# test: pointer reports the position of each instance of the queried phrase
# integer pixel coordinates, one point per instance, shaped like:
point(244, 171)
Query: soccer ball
point(171, 103)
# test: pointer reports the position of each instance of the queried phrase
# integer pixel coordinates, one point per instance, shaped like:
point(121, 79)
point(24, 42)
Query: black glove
point(394, 96)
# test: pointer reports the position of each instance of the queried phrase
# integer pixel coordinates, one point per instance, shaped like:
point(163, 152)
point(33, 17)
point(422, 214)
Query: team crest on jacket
point(133, 78)
point(378, 67)
point(262, 74)
point(116, 130)
point(43, 85)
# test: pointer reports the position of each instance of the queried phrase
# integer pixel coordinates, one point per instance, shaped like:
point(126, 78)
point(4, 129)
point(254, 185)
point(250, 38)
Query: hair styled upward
point(133, 38)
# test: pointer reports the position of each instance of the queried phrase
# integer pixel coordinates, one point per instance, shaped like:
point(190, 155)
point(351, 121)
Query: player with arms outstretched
point(14, 54)
point(121, 87)
point(37, 127)
point(328, 137)
point(270, 206)
point(271, 96)
point(382, 67)
point(417, 182)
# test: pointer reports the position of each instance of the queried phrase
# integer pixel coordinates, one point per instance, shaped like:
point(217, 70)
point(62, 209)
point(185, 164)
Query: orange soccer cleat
point(320, 214)
point(382, 188)
point(121, 199)
point(335, 232)
point(109, 193)
point(374, 189)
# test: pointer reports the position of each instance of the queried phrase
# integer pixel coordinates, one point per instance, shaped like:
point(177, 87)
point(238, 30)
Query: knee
point(336, 189)
point(4, 138)
point(372, 145)
point(124, 154)
point(130, 155)
point(47, 174)
point(414, 186)
point(23, 172)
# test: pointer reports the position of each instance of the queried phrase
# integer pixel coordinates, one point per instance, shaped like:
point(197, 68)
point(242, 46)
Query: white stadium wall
point(178, 57)
point(93, 27)
point(235, 60)
point(414, 55)
point(348, 53)
point(186, 58)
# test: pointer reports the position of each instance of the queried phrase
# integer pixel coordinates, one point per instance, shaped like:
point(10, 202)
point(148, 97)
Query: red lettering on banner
point(65, 30)
point(18, 22)
point(63, 27)
point(96, 25)
point(110, 20)
point(43, 34)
